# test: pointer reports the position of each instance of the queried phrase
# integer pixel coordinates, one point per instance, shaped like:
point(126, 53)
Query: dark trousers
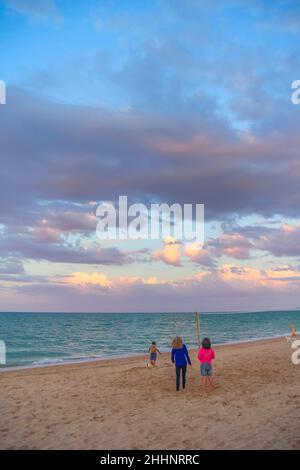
point(178, 369)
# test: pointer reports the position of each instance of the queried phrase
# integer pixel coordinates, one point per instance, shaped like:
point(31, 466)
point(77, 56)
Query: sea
point(35, 339)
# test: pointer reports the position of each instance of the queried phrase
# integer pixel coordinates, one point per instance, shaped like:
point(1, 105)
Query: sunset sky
point(163, 101)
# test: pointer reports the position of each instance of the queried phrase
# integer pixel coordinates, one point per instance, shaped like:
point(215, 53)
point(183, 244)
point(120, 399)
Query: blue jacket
point(181, 356)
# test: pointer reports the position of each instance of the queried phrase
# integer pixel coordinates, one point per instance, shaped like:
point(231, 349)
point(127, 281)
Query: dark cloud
point(54, 152)
point(242, 242)
point(283, 241)
point(59, 160)
point(278, 241)
point(233, 245)
point(29, 247)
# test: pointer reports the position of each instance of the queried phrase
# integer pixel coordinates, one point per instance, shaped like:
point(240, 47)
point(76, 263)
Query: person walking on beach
point(205, 356)
point(180, 357)
point(153, 351)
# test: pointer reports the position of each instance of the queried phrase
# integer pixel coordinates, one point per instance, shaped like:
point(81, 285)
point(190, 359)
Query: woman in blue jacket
point(180, 357)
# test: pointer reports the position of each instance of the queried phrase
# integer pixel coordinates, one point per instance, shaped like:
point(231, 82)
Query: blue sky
point(100, 52)
point(163, 100)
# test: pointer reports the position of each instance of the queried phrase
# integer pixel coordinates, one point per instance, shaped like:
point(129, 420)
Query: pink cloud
point(170, 253)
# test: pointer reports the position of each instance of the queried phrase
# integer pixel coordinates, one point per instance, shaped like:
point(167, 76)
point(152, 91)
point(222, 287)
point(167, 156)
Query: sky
point(163, 101)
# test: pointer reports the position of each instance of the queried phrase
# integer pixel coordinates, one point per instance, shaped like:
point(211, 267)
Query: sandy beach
point(120, 404)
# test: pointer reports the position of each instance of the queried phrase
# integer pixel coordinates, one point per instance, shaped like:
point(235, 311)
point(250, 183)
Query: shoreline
point(91, 359)
point(142, 356)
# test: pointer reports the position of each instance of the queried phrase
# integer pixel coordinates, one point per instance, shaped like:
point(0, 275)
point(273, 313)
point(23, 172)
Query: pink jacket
point(206, 355)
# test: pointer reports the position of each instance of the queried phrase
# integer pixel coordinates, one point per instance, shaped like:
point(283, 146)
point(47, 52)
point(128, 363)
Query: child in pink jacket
point(205, 356)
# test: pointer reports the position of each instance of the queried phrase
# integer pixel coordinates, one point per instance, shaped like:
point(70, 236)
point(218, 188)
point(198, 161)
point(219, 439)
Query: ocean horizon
point(33, 339)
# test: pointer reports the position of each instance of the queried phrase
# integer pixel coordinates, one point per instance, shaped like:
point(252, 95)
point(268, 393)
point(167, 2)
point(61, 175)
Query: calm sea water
point(45, 338)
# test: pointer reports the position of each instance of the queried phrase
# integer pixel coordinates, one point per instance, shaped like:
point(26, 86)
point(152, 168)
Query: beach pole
point(197, 317)
point(293, 330)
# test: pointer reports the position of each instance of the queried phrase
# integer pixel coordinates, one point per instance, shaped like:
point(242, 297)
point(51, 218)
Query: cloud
point(69, 220)
point(284, 275)
point(199, 255)
point(170, 252)
point(11, 266)
point(28, 246)
point(83, 279)
point(101, 154)
point(284, 241)
point(229, 273)
point(231, 287)
point(233, 245)
point(38, 9)
point(277, 241)
point(232, 275)
point(277, 278)
point(95, 279)
point(241, 243)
